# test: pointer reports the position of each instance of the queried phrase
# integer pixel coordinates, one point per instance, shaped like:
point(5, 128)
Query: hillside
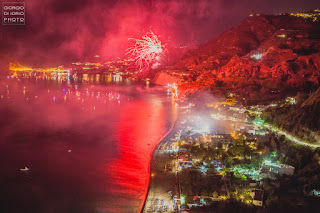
point(303, 119)
point(262, 58)
point(257, 32)
point(219, 50)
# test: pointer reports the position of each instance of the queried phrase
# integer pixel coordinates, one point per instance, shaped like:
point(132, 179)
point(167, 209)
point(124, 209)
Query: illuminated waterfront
point(86, 146)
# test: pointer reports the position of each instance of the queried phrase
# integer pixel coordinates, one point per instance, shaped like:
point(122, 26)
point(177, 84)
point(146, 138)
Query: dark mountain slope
point(303, 119)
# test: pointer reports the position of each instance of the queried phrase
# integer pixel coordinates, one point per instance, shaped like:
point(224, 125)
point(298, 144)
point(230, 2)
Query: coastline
point(151, 164)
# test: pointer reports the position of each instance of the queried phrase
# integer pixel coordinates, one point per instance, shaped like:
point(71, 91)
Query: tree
point(273, 203)
point(301, 97)
point(229, 162)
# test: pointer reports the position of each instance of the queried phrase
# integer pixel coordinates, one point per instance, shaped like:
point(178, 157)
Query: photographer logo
point(13, 13)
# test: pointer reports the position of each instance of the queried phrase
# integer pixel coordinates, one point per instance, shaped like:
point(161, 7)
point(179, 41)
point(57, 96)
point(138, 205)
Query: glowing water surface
point(87, 144)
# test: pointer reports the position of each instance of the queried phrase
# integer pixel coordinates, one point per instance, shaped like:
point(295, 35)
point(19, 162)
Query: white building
point(270, 170)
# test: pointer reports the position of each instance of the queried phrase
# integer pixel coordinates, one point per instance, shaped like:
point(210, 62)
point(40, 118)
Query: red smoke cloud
point(59, 31)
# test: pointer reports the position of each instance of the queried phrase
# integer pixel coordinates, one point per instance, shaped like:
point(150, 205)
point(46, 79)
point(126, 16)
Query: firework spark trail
point(146, 50)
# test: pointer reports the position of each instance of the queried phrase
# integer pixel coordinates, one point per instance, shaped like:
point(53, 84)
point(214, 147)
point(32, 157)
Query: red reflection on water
point(141, 126)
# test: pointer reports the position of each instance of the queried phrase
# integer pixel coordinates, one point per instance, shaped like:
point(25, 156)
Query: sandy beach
point(162, 187)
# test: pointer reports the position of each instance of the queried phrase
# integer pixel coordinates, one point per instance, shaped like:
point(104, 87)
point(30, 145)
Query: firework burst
point(146, 50)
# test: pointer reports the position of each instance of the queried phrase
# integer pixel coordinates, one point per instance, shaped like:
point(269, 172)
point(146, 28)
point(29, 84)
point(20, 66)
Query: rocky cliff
point(262, 58)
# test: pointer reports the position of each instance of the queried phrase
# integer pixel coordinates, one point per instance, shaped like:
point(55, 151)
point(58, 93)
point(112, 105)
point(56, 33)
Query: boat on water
point(25, 169)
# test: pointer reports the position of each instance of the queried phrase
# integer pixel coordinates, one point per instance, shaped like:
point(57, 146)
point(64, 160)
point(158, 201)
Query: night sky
point(64, 31)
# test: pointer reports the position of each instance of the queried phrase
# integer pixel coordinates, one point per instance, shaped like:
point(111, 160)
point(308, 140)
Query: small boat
point(25, 169)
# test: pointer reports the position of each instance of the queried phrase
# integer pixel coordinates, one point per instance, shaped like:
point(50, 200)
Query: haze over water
point(87, 147)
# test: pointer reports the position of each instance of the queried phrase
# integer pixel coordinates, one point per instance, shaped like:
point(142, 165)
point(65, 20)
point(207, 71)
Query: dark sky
point(62, 31)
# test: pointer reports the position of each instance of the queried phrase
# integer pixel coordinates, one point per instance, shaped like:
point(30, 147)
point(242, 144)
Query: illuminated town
point(228, 124)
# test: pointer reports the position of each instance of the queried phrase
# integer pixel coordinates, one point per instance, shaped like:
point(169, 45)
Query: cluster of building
point(119, 66)
point(272, 170)
point(193, 135)
point(314, 15)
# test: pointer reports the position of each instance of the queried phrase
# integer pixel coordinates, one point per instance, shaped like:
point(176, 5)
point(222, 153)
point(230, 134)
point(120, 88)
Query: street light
point(182, 199)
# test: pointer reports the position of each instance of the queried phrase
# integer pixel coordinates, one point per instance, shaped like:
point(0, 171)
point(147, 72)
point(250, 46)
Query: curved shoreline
point(152, 154)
